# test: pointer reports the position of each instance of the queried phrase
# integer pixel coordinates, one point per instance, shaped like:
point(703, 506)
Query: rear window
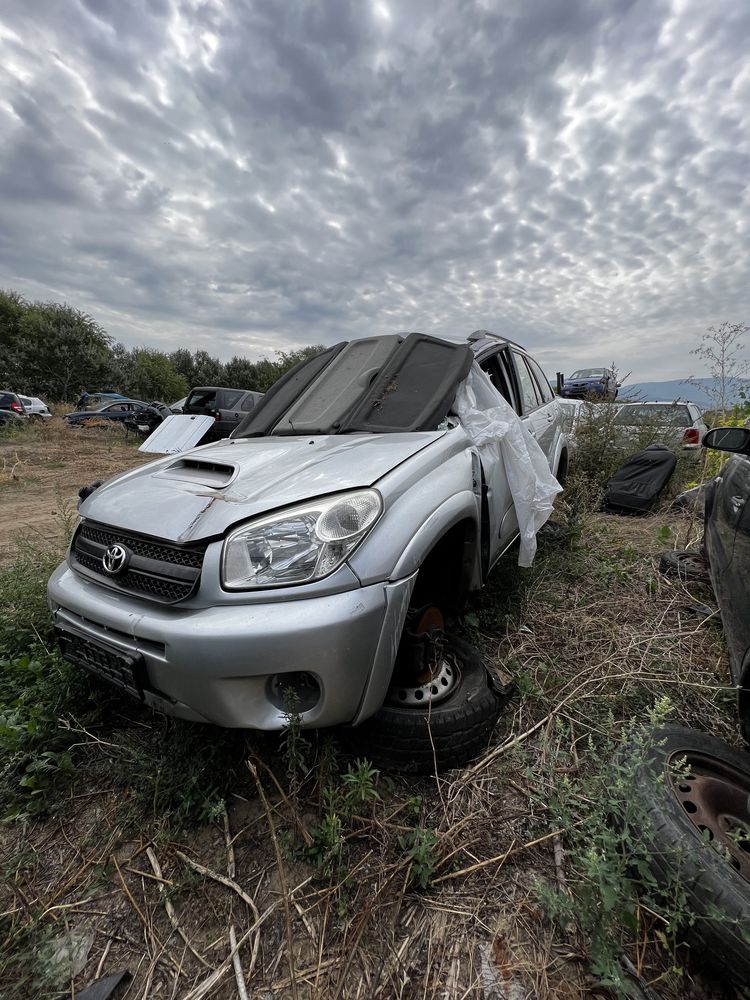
point(6, 399)
point(203, 399)
point(661, 415)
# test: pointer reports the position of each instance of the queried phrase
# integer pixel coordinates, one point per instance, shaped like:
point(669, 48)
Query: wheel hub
point(717, 801)
point(432, 691)
point(426, 672)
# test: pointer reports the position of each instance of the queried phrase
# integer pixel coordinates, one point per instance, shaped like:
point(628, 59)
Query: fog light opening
point(294, 692)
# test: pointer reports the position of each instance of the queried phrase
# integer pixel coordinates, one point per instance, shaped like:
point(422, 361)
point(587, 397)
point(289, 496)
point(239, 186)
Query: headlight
point(299, 544)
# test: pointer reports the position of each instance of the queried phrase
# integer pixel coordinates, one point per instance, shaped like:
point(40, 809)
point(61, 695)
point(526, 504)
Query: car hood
point(200, 493)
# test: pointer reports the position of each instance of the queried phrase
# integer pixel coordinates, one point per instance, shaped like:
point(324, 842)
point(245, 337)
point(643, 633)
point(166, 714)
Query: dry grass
point(593, 636)
point(42, 467)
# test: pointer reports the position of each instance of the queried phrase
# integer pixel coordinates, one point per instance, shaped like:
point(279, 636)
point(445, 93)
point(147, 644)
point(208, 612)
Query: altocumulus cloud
point(257, 174)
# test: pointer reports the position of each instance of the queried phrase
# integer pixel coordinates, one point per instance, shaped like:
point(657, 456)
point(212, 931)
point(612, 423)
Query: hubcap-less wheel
point(433, 690)
point(426, 671)
point(717, 801)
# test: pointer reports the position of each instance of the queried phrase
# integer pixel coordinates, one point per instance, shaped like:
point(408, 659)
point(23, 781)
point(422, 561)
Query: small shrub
point(419, 845)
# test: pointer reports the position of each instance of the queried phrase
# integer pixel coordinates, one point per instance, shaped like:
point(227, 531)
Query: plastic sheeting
point(499, 434)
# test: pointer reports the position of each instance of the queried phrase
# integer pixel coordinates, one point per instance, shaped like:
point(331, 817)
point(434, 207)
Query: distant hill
point(674, 389)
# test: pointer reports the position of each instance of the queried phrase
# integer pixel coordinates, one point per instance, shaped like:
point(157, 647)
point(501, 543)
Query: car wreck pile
point(311, 562)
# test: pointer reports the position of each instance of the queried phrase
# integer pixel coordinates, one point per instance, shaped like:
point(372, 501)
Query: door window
point(229, 398)
point(529, 392)
point(542, 384)
point(497, 367)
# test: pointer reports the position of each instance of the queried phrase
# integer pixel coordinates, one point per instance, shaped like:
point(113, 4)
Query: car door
point(539, 409)
point(499, 522)
point(727, 533)
point(230, 414)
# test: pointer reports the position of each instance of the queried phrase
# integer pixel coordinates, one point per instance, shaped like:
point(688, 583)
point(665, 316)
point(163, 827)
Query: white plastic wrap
point(499, 434)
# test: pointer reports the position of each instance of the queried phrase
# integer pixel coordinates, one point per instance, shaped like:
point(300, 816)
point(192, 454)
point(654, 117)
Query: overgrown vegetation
point(386, 886)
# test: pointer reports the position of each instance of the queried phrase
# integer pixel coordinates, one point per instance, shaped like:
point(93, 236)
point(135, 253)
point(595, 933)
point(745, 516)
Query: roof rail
point(483, 335)
point(488, 335)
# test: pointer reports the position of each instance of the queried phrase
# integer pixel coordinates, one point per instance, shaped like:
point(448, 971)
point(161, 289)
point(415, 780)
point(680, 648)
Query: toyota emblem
point(114, 560)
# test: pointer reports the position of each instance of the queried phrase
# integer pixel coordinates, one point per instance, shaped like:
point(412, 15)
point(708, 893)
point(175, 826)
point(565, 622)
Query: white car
point(36, 408)
point(676, 424)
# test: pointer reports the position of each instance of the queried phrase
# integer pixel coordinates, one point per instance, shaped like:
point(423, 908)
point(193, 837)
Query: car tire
point(716, 887)
point(685, 565)
point(449, 734)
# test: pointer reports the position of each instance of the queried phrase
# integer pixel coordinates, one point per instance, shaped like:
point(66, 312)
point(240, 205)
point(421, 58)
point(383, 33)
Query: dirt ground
point(41, 472)
point(428, 888)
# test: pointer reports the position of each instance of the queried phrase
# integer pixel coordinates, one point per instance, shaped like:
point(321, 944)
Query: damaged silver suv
point(310, 562)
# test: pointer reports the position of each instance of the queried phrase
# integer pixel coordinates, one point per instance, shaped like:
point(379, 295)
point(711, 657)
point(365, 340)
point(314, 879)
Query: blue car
point(591, 382)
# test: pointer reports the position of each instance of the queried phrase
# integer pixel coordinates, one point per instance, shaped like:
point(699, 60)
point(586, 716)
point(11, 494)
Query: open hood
point(201, 493)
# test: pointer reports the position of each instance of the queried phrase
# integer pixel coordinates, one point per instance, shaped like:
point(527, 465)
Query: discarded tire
point(698, 832)
point(685, 565)
point(420, 739)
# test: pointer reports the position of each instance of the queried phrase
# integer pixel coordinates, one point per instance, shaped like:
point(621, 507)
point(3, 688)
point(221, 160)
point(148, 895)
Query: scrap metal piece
point(179, 432)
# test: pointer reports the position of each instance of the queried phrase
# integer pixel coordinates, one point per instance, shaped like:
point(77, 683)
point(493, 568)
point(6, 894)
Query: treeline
point(53, 350)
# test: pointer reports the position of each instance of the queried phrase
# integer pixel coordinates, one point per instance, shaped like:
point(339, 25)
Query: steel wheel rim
point(716, 799)
point(431, 692)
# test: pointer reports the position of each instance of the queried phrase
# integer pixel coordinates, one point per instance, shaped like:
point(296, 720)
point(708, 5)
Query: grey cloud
point(243, 176)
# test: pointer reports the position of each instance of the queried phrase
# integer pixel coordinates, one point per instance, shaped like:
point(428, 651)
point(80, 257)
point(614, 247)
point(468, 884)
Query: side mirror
point(734, 439)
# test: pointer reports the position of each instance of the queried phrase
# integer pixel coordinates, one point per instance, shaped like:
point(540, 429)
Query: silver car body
point(36, 407)
point(221, 656)
point(663, 422)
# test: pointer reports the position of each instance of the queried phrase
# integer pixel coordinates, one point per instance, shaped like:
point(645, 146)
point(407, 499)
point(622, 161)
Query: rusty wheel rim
point(716, 800)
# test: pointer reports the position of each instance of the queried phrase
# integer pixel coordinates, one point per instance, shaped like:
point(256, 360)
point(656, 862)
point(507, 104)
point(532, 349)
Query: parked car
point(727, 551)
point(96, 400)
point(678, 425)
point(588, 382)
point(118, 411)
point(700, 831)
point(228, 407)
point(12, 403)
point(179, 405)
point(8, 417)
point(36, 408)
point(313, 559)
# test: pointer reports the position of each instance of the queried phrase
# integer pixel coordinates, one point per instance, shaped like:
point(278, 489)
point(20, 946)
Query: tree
point(152, 376)
point(239, 373)
point(12, 307)
point(721, 349)
point(59, 349)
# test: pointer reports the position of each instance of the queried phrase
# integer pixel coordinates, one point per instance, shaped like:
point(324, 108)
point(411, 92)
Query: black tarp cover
point(636, 485)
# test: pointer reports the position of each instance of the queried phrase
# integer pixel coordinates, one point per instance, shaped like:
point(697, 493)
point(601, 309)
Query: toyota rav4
point(310, 562)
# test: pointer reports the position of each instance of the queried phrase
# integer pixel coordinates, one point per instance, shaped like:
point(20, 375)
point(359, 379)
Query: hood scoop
point(200, 472)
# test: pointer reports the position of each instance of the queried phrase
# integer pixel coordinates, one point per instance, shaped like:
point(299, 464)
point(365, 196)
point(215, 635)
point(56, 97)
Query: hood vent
point(193, 470)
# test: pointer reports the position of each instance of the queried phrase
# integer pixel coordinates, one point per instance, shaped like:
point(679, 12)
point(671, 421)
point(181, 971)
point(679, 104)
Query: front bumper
point(218, 664)
point(582, 392)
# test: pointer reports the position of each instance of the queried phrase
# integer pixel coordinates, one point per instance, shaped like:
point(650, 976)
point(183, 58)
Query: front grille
point(161, 572)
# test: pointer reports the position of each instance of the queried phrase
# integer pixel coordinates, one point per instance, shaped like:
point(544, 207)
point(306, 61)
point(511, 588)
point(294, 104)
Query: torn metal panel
point(179, 432)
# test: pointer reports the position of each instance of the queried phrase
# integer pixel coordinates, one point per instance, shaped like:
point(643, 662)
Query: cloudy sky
point(249, 175)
